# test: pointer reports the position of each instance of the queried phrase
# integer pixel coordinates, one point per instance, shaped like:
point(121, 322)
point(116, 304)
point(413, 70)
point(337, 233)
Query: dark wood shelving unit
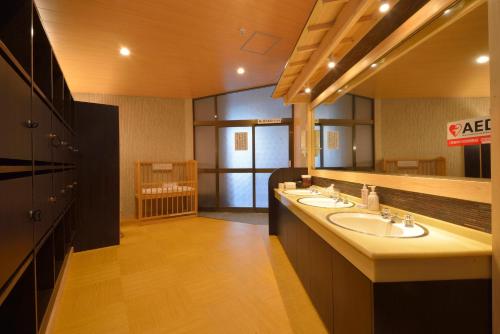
point(45, 275)
point(17, 310)
point(57, 87)
point(59, 247)
point(42, 58)
point(38, 220)
point(15, 30)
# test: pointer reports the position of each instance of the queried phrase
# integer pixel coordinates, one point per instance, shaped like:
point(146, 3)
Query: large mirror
point(423, 111)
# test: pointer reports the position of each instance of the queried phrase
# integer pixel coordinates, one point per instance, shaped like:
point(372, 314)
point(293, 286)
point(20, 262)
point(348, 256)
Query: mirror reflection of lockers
point(344, 134)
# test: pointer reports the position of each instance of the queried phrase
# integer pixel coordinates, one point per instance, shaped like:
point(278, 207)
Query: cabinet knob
point(30, 124)
point(35, 215)
point(55, 140)
point(70, 186)
point(52, 199)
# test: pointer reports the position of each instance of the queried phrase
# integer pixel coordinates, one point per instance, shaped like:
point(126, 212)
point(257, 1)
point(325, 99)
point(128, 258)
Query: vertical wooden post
point(195, 178)
point(494, 44)
point(310, 138)
point(138, 190)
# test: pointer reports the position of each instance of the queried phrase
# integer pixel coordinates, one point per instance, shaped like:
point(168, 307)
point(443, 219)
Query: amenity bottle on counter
point(364, 195)
point(373, 201)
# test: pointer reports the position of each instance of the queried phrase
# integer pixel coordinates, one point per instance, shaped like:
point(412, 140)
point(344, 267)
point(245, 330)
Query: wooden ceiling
point(443, 66)
point(179, 49)
point(333, 29)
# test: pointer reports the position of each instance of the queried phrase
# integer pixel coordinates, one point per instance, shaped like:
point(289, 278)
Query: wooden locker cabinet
point(42, 115)
point(36, 220)
point(42, 193)
point(16, 227)
point(15, 107)
point(57, 140)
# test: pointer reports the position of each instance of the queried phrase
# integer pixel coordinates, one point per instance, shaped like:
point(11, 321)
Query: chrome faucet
point(386, 214)
point(408, 219)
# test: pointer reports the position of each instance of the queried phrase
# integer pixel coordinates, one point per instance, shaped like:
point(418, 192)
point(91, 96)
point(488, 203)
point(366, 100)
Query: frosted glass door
point(233, 151)
point(337, 146)
point(271, 146)
point(236, 190)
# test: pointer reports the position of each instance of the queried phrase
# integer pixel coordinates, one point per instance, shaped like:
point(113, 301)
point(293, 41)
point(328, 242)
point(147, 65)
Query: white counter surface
point(447, 252)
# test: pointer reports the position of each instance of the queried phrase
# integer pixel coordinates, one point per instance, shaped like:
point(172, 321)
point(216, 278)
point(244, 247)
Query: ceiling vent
point(260, 43)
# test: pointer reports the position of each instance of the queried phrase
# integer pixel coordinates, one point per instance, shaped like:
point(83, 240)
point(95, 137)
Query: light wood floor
point(187, 275)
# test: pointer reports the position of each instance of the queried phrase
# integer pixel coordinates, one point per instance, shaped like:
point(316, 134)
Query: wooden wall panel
point(150, 129)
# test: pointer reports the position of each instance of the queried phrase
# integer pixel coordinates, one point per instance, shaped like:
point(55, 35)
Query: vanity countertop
point(447, 252)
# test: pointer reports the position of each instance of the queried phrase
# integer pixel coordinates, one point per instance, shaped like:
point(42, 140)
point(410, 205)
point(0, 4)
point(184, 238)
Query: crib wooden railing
point(166, 189)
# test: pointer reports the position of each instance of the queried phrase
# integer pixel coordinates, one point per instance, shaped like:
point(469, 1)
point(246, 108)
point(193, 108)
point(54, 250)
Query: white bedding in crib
point(170, 188)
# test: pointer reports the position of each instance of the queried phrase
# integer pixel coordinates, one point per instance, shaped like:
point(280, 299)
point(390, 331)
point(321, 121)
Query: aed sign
point(473, 131)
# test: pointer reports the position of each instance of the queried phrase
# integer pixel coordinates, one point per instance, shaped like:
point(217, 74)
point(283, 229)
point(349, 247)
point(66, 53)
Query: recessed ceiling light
point(373, 65)
point(307, 90)
point(125, 51)
point(331, 64)
point(483, 59)
point(240, 70)
point(447, 12)
point(340, 90)
point(384, 7)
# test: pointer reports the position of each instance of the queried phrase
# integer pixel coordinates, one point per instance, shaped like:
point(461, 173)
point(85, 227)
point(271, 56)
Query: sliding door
point(240, 139)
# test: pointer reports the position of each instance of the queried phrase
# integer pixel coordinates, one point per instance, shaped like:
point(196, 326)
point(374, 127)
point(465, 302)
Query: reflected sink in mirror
point(324, 202)
point(301, 192)
point(374, 224)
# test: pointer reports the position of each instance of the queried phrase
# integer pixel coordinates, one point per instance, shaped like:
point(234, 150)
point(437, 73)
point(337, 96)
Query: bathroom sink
point(324, 202)
point(374, 224)
point(301, 192)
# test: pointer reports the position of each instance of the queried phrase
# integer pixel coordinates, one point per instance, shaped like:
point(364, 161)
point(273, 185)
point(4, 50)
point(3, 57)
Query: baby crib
point(165, 189)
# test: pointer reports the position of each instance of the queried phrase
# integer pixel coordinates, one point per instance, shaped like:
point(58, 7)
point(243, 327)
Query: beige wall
point(494, 28)
point(150, 129)
point(300, 126)
point(416, 128)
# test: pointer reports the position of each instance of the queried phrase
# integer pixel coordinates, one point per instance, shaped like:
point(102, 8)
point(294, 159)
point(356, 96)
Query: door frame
point(253, 123)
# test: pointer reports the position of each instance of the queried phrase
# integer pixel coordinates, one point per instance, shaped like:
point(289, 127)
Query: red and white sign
point(473, 131)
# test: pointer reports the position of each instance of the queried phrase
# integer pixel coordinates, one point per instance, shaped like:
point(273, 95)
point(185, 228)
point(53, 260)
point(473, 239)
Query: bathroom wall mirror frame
point(353, 118)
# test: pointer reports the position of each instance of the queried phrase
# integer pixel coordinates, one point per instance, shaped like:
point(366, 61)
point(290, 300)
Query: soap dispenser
point(373, 201)
point(364, 195)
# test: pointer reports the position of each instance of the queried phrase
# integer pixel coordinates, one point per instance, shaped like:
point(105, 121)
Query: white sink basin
point(324, 202)
point(301, 192)
point(374, 224)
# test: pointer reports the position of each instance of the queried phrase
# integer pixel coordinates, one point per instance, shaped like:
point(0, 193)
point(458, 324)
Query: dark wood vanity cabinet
point(350, 303)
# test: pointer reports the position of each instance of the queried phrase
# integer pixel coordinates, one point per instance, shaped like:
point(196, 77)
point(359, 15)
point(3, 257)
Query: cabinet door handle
point(64, 143)
point(30, 124)
point(70, 186)
point(55, 140)
point(36, 215)
point(52, 199)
